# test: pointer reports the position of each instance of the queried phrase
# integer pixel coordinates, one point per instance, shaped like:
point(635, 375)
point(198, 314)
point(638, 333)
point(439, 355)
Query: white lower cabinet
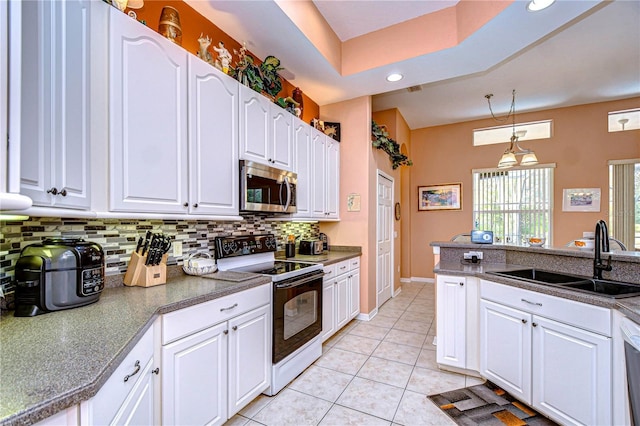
point(216, 357)
point(340, 296)
point(68, 417)
point(128, 397)
point(457, 346)
point(552, 353)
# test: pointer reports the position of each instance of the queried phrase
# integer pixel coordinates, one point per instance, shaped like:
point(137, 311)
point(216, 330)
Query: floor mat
point(487, 404)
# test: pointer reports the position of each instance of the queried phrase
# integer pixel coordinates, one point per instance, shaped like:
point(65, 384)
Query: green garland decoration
point(381, 140)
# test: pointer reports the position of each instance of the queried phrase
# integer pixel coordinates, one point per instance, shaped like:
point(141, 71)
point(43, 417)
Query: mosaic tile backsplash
point(118, 237)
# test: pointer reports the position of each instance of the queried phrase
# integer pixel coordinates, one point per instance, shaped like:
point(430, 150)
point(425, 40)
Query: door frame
point(381, 174)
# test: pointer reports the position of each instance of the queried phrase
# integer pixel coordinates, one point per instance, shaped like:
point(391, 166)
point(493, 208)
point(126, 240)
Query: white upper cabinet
point(174, 133)
point(302, 166)
point(332, 201)
point(213, 140)
point(55, 103)
point(266, 131)
point(325, 176)
point(148, 116)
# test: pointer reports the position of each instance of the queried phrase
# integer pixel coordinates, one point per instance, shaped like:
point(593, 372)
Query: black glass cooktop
point(275, 268)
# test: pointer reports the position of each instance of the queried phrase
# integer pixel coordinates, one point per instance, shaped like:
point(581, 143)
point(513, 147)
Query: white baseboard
point(405, 280)
point(367, 317)
point(423, 280)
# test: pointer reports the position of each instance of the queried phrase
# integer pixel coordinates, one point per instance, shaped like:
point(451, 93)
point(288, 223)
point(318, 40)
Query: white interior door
point(384, 241)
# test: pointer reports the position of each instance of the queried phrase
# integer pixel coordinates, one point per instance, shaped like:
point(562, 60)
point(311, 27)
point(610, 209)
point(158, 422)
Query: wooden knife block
point(139, 274)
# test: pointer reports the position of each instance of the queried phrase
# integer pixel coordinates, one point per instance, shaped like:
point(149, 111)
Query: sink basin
point(539, 276)
point(607, 288)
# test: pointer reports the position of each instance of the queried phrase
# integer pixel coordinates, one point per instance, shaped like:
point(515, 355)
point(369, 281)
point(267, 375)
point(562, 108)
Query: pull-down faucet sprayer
point(601, 245)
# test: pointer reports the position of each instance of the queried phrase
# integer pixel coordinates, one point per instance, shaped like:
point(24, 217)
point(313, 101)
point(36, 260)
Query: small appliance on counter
point(58, 274)
point(325, 241)
point(310, 247)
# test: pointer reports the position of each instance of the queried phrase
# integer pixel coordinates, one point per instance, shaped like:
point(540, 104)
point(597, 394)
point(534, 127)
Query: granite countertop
point(53, 361)
point(629, 306)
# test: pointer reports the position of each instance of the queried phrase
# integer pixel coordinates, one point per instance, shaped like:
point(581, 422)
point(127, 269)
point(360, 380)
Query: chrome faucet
point(601, 245)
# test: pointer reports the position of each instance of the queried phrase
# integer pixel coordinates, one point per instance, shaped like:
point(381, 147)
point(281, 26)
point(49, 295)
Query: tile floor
point(370, 373)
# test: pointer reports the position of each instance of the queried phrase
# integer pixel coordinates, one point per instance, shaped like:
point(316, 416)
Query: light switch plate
point(177, 249)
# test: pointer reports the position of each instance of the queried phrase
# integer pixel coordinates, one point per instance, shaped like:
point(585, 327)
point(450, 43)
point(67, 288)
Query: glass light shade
point(394, 77)
point(508, 160)
point(536, 5)
point(529, 159)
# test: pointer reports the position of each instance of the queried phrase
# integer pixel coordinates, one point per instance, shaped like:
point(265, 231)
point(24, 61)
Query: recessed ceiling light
point(536, 5)
point(394, 77)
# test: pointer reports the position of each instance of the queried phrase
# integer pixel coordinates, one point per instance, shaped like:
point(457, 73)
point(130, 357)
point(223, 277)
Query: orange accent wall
point(193, 24)
point(580, 146)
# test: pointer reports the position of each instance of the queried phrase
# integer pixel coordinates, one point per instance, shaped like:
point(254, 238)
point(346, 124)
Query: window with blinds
point(515, 204)
point(624, 202)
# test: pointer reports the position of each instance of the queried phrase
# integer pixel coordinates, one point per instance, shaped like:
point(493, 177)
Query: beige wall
point(355, 156)
point(580, 147)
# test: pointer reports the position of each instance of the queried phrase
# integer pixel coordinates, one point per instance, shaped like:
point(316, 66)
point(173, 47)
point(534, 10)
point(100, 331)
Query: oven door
point(267, 189)
point(297, 313)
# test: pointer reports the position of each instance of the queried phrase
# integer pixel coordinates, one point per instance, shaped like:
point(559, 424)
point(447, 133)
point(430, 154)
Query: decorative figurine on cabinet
point(203, 50)
point(224, 57)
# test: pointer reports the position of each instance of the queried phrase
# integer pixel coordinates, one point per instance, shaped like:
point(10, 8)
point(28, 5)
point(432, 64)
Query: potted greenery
point(382, 140)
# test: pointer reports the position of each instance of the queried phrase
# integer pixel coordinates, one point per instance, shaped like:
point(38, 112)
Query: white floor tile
point(359, 344)
point(371, 397)
point(418, 409)
point(405, 338)
point(293, 408)
point(430, 382)
point(322, 383)
point(342, 361)
point(396, 352)
point(385, 371)
point(339, 416)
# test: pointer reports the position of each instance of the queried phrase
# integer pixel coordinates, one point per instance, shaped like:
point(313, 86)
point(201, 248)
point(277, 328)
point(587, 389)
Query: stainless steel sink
point(615, 289)
point(607, 288)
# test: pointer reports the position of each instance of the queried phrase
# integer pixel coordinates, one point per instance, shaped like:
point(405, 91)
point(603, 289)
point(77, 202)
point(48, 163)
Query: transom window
point(515, 204)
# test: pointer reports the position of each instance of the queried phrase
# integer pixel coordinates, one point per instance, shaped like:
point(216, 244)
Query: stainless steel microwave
point(266, 189)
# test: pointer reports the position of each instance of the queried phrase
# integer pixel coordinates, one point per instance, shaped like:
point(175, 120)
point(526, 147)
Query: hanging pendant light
point(508, 158)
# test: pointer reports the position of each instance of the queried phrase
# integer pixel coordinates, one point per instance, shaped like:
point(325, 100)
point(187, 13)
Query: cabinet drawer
point(329, 272)
point(102, 408)
point(178, 324)
point(354, 263)
point(578, 314)
point(342, 267)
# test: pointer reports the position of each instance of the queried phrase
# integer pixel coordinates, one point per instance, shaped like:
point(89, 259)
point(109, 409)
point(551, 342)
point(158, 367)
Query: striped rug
point(487, 404)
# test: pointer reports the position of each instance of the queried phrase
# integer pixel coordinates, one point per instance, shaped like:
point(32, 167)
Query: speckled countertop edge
point(629, 306)
point(51, 362)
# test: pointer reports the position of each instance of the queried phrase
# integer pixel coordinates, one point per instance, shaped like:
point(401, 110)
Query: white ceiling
point(575, 52)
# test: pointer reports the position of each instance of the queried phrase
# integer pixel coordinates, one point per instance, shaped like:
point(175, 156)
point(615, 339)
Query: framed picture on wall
point(581, 200)
point(440, 197)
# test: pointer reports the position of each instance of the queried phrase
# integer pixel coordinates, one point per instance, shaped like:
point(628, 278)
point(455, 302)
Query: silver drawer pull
point(235, 305)
point(137, 365)
point(531, 303)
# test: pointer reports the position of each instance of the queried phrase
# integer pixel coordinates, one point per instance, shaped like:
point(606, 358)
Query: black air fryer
point(58, 274)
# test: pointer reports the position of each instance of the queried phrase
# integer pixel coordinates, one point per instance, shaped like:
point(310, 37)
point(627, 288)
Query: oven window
point(299, 313)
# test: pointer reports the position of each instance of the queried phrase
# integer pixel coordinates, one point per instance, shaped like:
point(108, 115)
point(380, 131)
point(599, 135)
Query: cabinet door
point(318, 169)
point(332, 203)
point(254, 126)
point(213, 140)
point(342, 301)
point(249, 357)
point(55, 103)
point(574, 388)
point(281, 138)
point(451, 321)
point(148, 119)
point(194, 378)
point(505, 348)
point(138, 408)
point(302, 166)
point(354, 296)
point(328, 309)
point(71, 115)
